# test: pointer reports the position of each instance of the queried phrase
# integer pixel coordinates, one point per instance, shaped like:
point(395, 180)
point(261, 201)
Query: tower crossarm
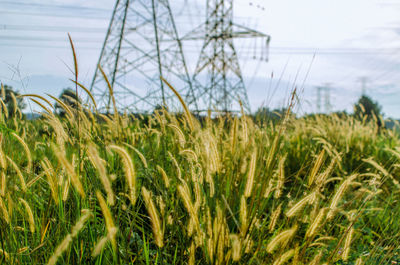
point(238, 32)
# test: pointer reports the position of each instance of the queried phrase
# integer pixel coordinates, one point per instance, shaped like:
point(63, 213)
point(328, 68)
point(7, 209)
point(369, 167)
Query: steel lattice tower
point(326, 89)
point(141, 45)
point(218, 80)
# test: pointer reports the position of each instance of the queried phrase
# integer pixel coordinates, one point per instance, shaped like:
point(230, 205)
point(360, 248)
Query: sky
point(313, 43)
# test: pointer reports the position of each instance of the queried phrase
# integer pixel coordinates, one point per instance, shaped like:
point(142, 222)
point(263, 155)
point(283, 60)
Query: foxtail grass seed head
point(187, 112)
point(313, 229)
point(99, 164)
point(108, 218)
point(243, 216)
point(281, 178)
point(10, 204)
point(22, 250)
point(164, 176)
point(382, 170)
point(63, 106)
point(284, 257)
point(111, 91)
point(99, 246)
point(281, 239)
point(19, 173)
point(65, 188)
point(3, 184)
point(178, 168)
point(141, 156)
point(321, 178)
point(274, 218)
point(5, 109)
point(236, 247)
point(129, 170)
point(187, 201)
point(42, 106)
point(316, 168)
point(86, 214)
point(70, 170)
point(3, 92)
point(338, 195)
point(309, 199)
point(347, 243)
point(3, 162)
point(250, 175)
point(154, 217)
point(14, 100)
point(269, 188)
point(29, 213)
point(5, 216)
point(87, 92)
point(190, 154)
point(27, 151)
point(178, 132)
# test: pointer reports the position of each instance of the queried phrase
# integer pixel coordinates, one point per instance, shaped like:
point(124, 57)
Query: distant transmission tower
point(326, 89)
point(363, 80)
point(141, 45)
point(319, 99)
point(217, 81)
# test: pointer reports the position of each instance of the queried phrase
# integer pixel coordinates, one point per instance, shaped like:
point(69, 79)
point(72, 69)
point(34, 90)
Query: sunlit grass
point(169, 190)
point(91, 188)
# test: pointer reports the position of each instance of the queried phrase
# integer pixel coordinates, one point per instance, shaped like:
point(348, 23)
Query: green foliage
point(12, 100)
point(68, 97)
point(366, 107)
point(265, 115)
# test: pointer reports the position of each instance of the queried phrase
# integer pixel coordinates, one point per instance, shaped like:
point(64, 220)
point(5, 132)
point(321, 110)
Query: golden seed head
point(155, 220)
point(29, 212)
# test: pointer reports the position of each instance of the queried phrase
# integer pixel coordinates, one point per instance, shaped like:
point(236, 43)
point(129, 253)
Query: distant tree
point(264, 114)
point(69, 98)
point(11, 100)
point(367, 107)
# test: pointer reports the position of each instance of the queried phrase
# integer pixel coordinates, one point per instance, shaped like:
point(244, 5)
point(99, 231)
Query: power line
point(188, 48)
point(41, 6)
point(36, 38)
point(5, 27)
point(3, 12)
point(46, 46)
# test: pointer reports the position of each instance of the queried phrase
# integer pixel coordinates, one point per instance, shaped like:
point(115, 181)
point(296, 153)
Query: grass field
point(169, 189)
point(89, 188)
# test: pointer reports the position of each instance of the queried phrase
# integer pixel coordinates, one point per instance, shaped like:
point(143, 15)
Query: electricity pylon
point(141, 46)
point(363, 80)
point(217, 80)
point(327, 98)
point(319, 99)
